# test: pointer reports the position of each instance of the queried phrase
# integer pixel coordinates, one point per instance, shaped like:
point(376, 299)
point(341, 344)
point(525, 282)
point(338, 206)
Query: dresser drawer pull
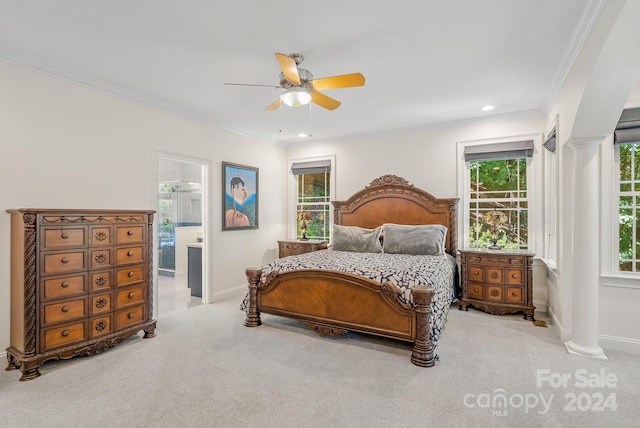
point(476, 273)
point(130, 232)
point(65, 333)
point(130, 253)
point(514, 275)
point(495, 293)
point(131, 316)
point(65, 260)
point(514, 294)
point(64, 236)
point(65, 284)
point(494, 275)
point(476, 290)
point(131, 274)
point(65, 309)
point(131, 295)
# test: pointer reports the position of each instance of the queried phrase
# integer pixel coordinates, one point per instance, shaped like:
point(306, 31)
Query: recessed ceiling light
point(487, 108)
point(302, 135)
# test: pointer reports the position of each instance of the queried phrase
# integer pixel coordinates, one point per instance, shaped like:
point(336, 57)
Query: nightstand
point(497, 281)
point(290, 248)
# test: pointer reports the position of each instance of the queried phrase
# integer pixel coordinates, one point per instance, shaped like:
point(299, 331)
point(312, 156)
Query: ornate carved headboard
point(392, 199)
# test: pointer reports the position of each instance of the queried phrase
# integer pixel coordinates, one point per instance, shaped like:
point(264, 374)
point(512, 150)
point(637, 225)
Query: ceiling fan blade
point(251, 84)
point(274, 105)
point(336, 82)
point(289, 68)
point(324, 101)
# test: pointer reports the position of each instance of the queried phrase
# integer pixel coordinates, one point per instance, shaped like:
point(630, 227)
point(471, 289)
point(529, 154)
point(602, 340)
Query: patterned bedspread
point(403, 270)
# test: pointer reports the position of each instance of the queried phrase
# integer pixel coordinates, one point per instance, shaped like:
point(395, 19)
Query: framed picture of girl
point(240, 197)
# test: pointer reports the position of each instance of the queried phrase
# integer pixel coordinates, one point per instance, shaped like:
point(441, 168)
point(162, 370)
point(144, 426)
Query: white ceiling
point(425, 61)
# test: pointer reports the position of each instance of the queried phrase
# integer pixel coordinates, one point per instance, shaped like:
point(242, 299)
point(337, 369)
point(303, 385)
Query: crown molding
point(581, 33)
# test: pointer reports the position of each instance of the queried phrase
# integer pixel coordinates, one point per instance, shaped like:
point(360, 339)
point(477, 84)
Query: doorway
point(181, 228)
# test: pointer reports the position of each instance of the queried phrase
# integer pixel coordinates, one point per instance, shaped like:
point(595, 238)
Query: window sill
point(550, 265)
point(631, 280)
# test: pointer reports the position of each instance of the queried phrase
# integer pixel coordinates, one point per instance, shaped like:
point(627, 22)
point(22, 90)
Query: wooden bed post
point(253, 316)
point(423, 346)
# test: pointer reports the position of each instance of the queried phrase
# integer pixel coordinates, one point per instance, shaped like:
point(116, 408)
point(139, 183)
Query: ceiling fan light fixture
point(296, 97)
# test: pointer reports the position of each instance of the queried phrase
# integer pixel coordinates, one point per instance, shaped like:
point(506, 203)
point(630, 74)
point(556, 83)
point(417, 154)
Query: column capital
point(586, 142)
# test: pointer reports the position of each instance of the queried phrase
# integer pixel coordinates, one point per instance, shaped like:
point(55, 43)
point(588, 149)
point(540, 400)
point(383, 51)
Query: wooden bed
point(332, 302)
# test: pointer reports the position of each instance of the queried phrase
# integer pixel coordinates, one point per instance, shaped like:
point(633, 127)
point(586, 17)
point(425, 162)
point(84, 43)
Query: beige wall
point(66, 146)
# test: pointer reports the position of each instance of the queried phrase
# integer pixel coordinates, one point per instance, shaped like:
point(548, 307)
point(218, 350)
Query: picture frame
point(239, 197)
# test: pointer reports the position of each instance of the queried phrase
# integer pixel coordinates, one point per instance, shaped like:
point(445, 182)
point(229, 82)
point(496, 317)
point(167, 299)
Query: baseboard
point(619, 344)
point(3, 354)
point(605, 341)
point(230, 293)
point(541, 306)
point(557, 325)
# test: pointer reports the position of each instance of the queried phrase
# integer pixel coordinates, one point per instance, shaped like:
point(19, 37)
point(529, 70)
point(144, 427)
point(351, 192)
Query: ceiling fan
point(300, 87)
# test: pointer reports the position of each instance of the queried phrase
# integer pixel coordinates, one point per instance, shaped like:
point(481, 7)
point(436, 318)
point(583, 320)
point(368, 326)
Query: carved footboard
point(332, 303)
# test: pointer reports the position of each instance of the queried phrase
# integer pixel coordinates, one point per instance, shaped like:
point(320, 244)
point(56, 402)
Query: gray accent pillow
point(356, 239)
point(425, 239)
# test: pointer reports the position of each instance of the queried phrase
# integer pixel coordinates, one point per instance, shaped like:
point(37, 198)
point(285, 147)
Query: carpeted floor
point(205, 369)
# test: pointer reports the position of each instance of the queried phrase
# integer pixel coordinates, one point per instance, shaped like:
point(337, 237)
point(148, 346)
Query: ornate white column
point(585, 248)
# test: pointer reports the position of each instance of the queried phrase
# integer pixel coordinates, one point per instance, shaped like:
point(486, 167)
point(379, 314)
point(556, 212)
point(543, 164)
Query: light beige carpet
point(205, 369)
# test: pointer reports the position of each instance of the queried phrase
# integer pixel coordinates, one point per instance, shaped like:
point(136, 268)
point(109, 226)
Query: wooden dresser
point(291, 248)
point(497, 281)
point(81, 282)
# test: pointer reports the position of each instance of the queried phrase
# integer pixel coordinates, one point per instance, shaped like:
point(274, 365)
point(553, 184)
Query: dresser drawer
point(476, 290)
point(57, 238)
point(101, 280)
point(101, 325)
point(129, 234)
point(100, 303)
point(128, 255)
point(100, 235)
point(129, 316)
point(68, 310)
point(100, 258)
point(56, 263)
point(129, 296)
point(129, 275)
point(64, 286)
point(58, 336)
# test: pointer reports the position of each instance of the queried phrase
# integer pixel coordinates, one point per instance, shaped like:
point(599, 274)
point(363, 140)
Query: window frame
point(610, 276)
point(550, 212)
point(534, 197)
point(292, 199)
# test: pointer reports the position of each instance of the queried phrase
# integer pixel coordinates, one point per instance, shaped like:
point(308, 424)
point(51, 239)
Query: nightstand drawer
point(514, 276)
point(494, 293)
point(476, 273)
point(476, 290)
point(494, 276)
point(292, 248)
point(514, 295)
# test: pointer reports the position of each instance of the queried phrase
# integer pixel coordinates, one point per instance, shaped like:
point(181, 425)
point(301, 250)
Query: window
point(627, 143)
point(628, 208)
point(313, 199)
point(497, 179)
point(550, 186)
point(499, 185)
